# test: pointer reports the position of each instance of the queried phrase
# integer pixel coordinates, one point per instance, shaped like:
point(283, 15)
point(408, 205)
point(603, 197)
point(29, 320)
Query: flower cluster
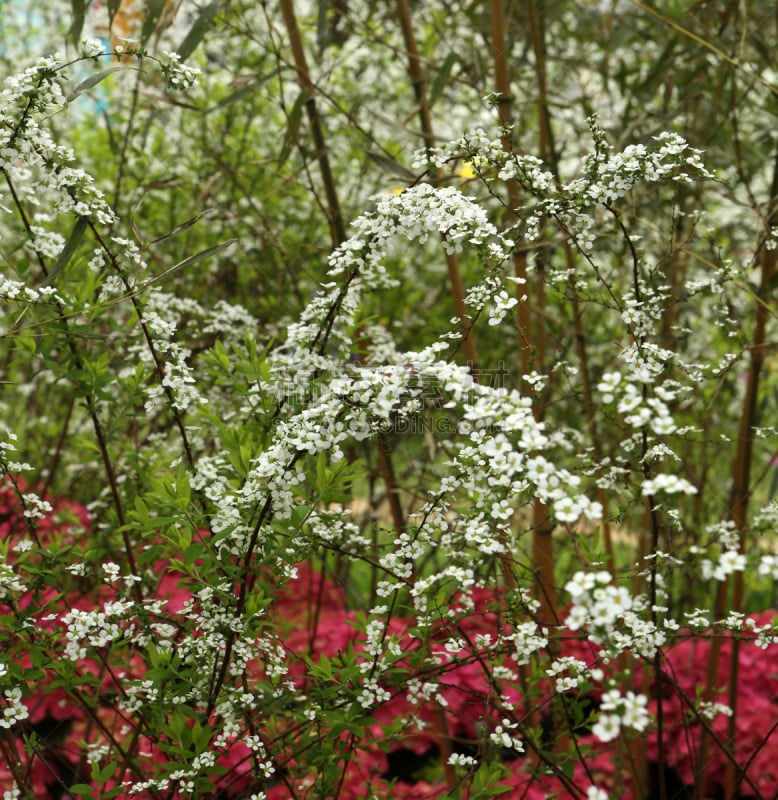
point(628, 711)
point(611, 615)
point(180, 76)
point(469, 671)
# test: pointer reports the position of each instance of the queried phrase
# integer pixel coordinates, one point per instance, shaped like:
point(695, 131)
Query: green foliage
point(227, 394)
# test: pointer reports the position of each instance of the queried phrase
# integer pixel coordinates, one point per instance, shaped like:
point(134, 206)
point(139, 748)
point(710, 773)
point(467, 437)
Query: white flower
point(729, 561)
point(611, 700)
point(710, 709)
point(461, 760)
point(671, 484)
point(580, 583)
point(14, 709)
point(607, 727)
point(663, 425)
point(577, 618)
point(503, 302)
point(634, 713)
point(566, 509)
point(91, 48)
point(768, 565)
point(179, 76)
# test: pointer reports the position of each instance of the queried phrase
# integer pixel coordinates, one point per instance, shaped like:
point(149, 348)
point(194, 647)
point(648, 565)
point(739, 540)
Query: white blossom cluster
point(503, 736)
point(35, 507)
point(502, 434)
point(178, 382)
point(710, 709)
point(462, 760)
point(91, 48)
point(668, 483)
point(527, 639)
point(768, 565)
point(357, 403)
point(180, 76)
point(611, 615)
point(8, 445)
point(415, 215)
point(609, 176)
point(10, 582)
point(479, 149)
point(97, 628)
point(577, 673)
point(730, 561)
point(606, 176)
point(36, 165)
point(617, 711)
point(182, 777)
point(13, 708)
point(19, 291)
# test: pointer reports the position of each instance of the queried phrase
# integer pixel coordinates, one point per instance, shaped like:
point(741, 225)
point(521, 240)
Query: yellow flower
point(465, 171)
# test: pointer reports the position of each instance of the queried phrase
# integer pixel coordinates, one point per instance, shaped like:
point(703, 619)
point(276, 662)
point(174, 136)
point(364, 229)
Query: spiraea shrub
point(252, 548)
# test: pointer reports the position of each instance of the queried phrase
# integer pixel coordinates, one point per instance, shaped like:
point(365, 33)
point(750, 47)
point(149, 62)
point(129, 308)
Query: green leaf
point(113, 9)
point(201, 736)
point(91, 81)
point(197, 31)
point(323, 668)
point(187, 262)
point(184, 537)
point(177, 723)
point(141, 511)
point(77, 26)
point(442, 78)
point(333, 484)
point(178, 228)
point(156, 7)
point(193, 553)
point(183, 488)
point(76, 235)
point(321, 25)
point(82, 789)
point(36, 657)
point(322, 473)
point(293, 126)
point(391, 166)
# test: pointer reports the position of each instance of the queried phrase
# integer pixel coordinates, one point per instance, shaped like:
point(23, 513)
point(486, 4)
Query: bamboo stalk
point(537, 32)
point(740, 494)
point(741, 478)
point(542, 545)
point(591, 419)
point(334, 218)
point(537, 35)
point(531, 349)
point(419, 82)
